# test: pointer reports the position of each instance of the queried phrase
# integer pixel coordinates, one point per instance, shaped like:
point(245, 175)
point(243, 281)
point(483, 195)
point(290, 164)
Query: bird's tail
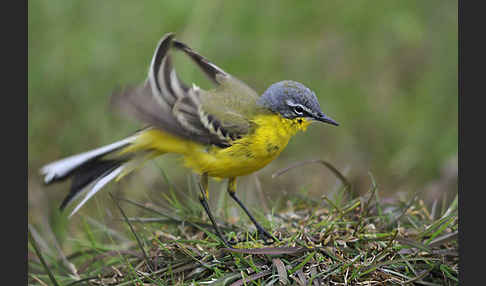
point(90, 171)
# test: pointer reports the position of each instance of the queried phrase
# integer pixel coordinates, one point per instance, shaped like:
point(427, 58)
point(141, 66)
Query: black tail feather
point(88, 173)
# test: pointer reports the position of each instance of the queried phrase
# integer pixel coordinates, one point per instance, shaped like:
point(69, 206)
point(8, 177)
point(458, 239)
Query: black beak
point(326, 119)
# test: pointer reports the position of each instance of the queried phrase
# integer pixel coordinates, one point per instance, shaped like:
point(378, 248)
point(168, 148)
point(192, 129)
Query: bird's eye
point(298, 109)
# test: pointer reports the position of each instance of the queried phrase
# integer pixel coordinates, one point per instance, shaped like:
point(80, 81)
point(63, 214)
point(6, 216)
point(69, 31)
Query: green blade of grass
point(41, 257)
point(440, 230)
point(149, 263)
point(304, 262)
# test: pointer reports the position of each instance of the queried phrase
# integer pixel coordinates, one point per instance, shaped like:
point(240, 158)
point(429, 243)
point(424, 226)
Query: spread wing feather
point(163, 101)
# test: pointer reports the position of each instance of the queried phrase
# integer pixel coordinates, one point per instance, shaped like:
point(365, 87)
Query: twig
point(333, 169)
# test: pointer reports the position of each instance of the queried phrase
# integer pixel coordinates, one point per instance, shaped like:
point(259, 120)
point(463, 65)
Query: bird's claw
point(265, 235)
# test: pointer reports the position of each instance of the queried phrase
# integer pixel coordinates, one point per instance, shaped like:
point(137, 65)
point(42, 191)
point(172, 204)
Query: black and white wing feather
point(167, 103)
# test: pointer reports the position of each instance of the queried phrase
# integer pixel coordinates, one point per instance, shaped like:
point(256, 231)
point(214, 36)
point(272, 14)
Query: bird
point(224, 132)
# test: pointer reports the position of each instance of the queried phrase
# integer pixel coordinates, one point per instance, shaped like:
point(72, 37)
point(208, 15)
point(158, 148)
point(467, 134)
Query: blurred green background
point(387, 71)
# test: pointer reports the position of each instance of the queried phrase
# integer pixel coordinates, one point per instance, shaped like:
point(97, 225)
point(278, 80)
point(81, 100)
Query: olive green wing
point(214, 117)
point(232, 103)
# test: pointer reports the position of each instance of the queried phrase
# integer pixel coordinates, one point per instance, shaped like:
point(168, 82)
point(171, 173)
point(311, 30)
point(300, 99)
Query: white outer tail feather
point(96, 186)
point(62, 167)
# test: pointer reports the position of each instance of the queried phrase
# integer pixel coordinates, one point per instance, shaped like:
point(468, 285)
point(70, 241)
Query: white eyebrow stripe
point(291, 103)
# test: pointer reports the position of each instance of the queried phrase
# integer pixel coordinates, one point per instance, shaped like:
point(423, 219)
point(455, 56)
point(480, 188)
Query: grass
point(342, 239)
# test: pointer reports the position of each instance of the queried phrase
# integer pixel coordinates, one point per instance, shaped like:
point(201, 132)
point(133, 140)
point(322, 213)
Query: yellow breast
point(250, 153)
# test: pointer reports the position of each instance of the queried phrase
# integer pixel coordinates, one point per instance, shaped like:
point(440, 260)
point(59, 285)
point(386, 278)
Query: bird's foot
point(228, 243)
point(266, 236)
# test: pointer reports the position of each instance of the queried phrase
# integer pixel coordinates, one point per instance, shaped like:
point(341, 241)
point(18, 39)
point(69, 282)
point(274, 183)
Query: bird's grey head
point(293, 100)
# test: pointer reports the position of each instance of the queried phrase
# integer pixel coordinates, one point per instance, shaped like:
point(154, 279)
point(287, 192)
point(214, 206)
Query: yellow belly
point(248, 154)
point(244, 156)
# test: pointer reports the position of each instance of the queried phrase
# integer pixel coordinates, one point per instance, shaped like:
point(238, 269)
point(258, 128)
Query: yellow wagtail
point(227, 132)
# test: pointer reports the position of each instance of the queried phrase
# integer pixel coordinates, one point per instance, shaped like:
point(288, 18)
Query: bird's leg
point(232, 193)
point(203, 198)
